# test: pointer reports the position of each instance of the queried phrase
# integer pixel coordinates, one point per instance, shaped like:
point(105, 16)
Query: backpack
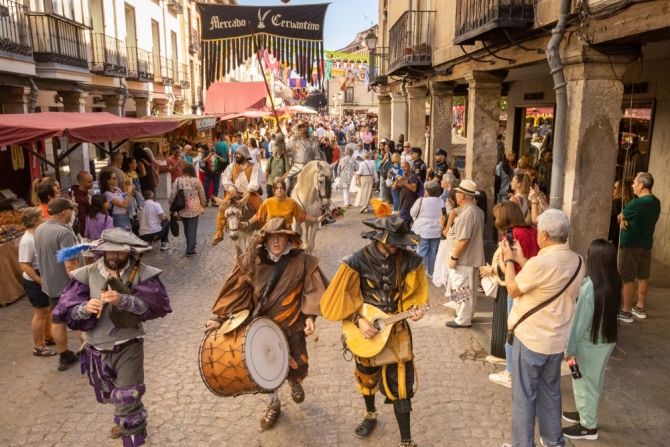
point(420, 191)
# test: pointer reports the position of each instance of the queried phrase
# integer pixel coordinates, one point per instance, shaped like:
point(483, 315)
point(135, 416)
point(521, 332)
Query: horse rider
point(302, 149)
point(122, 293)
point(289, 283)
point(391, 278)
point(241, 179)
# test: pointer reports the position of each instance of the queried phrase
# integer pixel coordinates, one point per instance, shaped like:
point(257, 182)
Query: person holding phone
point(511, 223)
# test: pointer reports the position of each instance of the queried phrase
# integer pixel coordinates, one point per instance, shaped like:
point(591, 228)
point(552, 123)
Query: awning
point(202, 122)
point(225, 98)
point(80, 127)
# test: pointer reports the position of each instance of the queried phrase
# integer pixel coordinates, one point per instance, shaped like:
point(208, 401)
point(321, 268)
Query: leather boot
point(115, 432)
point(367, 426)
point(271, 415)
point(297, 392)
point(220, 225)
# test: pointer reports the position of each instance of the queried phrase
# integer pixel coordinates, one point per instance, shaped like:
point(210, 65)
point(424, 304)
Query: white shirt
point(408, 158)
point(150, 223)
point(358, 153)
point(241, 184)
point(330, 135)
point(426, 212)
point(320, 132)
point(27, 252)
point(367, 167)
point(255, 154)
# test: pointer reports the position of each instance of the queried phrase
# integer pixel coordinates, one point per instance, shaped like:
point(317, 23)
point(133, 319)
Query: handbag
point(336, 184)
point(353, 187)
point(490, 285)
point(179, 202)
point(510, 332)
point(174, 225)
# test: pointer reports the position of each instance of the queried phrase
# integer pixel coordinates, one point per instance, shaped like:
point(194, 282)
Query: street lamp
point(371, 40)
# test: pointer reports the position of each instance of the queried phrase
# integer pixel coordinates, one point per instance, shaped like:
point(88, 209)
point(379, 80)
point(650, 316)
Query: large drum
point(250, 359)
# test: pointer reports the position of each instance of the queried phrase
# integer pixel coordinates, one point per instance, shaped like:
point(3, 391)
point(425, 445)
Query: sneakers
point(67, 360)
point(571, 416)
point(363, 210)
point(165, 246)
point(626, 317)
point(502, 378)
point(640, 313)
point(578, 432)
point(496, 360)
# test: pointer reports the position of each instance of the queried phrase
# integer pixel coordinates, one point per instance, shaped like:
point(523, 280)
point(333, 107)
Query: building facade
point(618, 106)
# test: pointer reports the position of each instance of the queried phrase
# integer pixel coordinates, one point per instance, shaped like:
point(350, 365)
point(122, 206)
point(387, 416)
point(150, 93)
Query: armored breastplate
point(302, 150)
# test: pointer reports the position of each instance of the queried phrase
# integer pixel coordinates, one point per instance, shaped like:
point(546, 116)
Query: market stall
point(191, 128)
point(22, 134)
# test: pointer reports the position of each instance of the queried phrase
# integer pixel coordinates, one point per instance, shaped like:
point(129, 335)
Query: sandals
point(50, 342)
point(44, 352)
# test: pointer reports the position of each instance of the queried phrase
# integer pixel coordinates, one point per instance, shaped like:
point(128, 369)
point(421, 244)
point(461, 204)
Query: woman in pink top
point(366, 136)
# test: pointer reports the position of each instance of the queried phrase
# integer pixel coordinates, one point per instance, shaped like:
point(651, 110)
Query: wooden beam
point(38, 155)
point(641, 23)
point(69, 151)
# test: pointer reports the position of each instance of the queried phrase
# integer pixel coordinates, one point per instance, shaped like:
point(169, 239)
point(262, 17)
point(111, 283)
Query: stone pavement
point(456, 404)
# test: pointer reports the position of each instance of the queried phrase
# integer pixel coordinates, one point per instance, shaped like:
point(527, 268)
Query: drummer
point(292, 284)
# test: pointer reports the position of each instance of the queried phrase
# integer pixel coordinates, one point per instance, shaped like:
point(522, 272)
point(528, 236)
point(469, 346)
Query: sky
point(344, 18)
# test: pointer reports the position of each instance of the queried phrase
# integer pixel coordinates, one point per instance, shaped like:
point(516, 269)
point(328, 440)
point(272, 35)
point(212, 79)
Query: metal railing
point(194, 43)
point(175, 6)
point(57, 41)
point(410, 39)
point(108, 56)
point(184, 80)
point(140, 65)
point(163, 73)
point(477, 17)
point(15, 35)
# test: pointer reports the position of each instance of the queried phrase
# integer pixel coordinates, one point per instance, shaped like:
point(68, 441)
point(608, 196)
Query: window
point(349, 95)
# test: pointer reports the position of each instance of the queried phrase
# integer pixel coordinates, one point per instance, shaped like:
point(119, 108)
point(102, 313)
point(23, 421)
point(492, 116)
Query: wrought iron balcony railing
point(184, 79)
point(409, 42)
point(15, 35)
point(175, 6)
point(109, 56)
point(481, 19)
point(140, 65)
point(56, 41)
point(194, 45)
point(163, 73)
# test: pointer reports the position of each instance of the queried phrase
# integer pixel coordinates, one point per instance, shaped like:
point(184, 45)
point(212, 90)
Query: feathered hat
point(112, 239)
point(390, 230)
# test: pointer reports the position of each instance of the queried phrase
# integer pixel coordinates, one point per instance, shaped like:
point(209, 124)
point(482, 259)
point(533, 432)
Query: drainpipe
point(405, 94)
point(124, 93)
point(34, 91)
point(560, 119)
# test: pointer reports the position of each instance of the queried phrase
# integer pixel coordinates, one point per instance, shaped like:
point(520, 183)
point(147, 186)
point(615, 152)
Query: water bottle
point(574, 368)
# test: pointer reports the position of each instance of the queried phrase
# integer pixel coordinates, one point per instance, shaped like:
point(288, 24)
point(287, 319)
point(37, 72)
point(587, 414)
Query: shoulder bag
point(179, 202)
point(510, 332)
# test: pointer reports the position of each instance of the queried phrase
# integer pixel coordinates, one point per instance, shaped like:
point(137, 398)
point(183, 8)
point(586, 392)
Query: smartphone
point(444, 212)
point(510, 237)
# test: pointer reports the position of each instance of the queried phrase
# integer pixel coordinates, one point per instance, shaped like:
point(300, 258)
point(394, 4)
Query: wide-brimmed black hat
point(390, 230)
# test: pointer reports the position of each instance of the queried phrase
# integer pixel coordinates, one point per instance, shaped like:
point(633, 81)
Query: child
point(98, 219)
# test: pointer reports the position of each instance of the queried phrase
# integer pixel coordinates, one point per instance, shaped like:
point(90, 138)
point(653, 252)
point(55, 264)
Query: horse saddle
point(121, 318)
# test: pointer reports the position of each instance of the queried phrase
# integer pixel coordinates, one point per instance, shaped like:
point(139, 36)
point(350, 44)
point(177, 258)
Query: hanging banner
point(303, 22)
point(283, 36)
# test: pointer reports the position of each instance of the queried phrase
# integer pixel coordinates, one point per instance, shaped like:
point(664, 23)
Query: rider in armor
point(302, 149)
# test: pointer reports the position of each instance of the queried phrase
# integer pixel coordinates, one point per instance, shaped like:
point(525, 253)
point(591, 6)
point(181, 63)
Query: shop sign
point(538, 96)
point(205, 123)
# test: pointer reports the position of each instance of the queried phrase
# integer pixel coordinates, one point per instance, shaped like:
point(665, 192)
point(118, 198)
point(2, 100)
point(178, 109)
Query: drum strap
point(275, 276)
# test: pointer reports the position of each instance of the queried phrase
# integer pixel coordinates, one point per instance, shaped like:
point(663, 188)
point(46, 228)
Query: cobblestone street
point(456, 404)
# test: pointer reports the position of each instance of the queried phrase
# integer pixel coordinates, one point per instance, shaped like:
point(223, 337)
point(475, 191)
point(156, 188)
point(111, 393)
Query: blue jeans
point(395, 193)
point(121, 221)
point(428, 250)
point(190, 232)
point(162, 235)
point(217, 182)
point(508, 347)
point(536, 393)
point(406, 217)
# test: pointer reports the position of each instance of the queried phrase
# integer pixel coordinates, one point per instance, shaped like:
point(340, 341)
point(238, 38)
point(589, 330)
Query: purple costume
point(114, 357)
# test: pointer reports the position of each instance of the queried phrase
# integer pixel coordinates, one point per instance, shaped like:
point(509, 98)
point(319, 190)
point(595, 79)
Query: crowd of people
point(550, 305)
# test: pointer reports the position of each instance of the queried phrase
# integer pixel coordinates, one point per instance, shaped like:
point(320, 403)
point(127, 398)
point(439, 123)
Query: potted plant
point(423, 49)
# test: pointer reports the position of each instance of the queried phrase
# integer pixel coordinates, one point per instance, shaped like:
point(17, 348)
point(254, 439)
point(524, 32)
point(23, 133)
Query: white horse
point(312, 192)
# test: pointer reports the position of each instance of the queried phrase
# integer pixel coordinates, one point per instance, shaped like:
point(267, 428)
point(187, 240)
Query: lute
point(383, 322)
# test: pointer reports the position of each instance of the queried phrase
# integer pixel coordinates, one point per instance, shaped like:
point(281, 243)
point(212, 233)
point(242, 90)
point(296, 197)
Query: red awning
point(226, 98)
point(80, 127)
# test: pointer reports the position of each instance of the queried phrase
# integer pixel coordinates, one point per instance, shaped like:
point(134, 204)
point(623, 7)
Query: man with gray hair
point(545, 292)
point(637, 221)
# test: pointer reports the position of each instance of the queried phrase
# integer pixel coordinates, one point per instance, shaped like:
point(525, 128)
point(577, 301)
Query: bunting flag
point(292, 34)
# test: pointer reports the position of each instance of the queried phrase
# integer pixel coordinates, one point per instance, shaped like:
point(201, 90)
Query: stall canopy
point(225, 98)
point(79, 127)
point(202, 122)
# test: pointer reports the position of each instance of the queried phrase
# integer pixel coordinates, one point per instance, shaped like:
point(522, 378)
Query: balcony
point(163, 71)
point(175, 6)
point(109, 56)
point(140, 65)
point(478, 20)
point(56, 41)
point(409, 42)
point(194, 46)
point(15, 35)
point(184, 80)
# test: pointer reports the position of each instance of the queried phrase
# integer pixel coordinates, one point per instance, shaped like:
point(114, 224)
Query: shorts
point(53, 302)
point(634, 262)
point(37, 298)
